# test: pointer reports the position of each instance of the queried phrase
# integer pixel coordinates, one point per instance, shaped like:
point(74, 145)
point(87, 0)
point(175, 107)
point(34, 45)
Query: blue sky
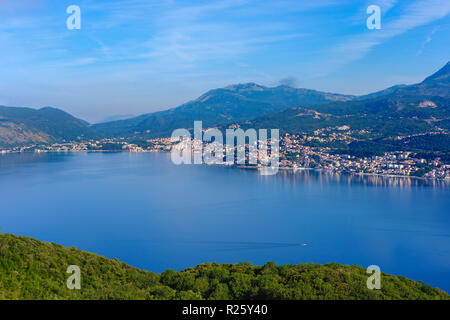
point(139, 56)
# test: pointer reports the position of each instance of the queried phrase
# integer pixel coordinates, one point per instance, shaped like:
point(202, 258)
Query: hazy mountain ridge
point(381, 93)
point(20, 126)
point(117, 117)
point(224, 105)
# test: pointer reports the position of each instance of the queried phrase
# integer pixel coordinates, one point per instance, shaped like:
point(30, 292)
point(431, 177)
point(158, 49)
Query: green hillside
point(31, 269)
point(23, 126)
point(382, 117)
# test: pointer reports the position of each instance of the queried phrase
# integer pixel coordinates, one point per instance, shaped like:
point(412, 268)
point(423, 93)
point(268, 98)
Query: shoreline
point(294, 170)
point(246, 167)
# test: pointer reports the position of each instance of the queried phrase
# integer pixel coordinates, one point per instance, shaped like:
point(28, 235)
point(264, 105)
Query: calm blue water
point(142, 209)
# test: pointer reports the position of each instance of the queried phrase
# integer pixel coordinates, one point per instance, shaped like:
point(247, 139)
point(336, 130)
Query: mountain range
point(225, 105)
point(396, 111)
point(382, 121)
point(22, 126)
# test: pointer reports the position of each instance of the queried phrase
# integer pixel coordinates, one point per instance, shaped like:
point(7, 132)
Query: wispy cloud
point(190, 45)
point(417, 14)
point(195, 12)
point(14, 6)
point(193, 32)
point(80, 62)
point(385, 5)
point(428, 39)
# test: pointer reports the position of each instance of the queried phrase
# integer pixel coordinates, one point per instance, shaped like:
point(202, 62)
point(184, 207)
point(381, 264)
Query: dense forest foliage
point(382, 117)
point(31, 269)
point(428, 146)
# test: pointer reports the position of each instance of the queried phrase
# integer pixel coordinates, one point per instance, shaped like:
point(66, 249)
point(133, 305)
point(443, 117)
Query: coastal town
point(293, 154)
point(397, 163)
